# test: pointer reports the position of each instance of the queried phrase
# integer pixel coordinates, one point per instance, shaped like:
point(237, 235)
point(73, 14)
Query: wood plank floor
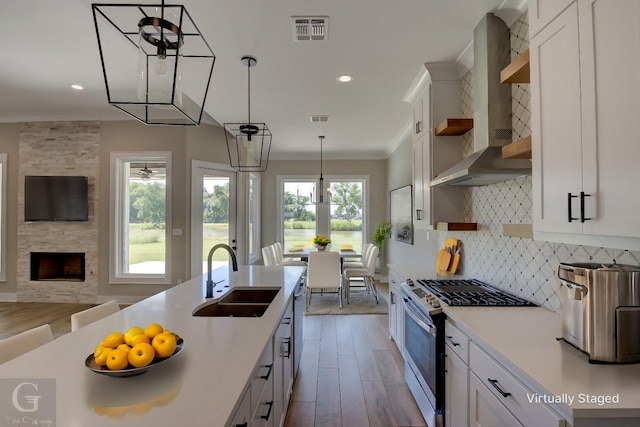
point(351, 374)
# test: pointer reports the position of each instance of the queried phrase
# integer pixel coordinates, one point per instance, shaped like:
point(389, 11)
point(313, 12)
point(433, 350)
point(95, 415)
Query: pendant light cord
point(249, 91)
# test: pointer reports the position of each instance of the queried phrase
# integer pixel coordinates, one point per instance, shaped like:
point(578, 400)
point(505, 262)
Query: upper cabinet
point(542, 12)
point(584, 124)
point(434, 101)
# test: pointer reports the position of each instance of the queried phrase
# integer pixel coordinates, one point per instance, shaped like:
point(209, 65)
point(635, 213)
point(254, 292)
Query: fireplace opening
point(67, 266)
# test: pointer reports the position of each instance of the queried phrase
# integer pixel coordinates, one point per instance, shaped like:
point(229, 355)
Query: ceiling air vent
point(318, 119)
point(307, 28)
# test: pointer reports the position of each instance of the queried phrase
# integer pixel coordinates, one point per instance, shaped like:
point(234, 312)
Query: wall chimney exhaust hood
point(492, 113)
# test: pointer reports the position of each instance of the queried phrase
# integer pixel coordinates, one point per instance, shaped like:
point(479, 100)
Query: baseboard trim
point(8, 297)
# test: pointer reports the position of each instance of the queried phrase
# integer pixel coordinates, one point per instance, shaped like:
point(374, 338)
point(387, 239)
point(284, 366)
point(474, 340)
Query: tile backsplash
point(521, 266)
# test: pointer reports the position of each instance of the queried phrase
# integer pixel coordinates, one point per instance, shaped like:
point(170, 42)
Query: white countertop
point(523, 339)
point(200, 386)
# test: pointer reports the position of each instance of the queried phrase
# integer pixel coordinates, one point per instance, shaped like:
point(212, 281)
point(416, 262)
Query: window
point(140, 218)
point(343, 218)
point(3, 211)
point(254, 218)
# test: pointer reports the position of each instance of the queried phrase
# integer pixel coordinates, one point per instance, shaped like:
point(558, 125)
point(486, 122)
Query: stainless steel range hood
point(492, 113)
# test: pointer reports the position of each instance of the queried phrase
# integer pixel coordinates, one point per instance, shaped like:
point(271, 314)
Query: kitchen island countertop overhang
point(202, 386)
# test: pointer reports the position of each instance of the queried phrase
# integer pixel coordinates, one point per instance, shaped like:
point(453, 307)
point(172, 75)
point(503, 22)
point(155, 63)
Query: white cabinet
point(498, 387)
point(584, 119)
point(456, 411)
point(242, 418)
point(485, 409)
point(439, 99)
point(282, 366)
point(396, 311)
point(541, 12)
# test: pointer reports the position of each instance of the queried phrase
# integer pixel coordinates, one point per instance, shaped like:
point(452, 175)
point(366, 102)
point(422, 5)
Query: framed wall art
point(401, 218)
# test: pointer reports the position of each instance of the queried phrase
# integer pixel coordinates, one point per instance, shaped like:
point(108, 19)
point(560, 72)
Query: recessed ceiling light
point(76, 87)
point(345, 78)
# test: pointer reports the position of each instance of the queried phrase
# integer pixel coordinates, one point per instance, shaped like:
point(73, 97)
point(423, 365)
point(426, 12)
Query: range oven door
point(424, 353)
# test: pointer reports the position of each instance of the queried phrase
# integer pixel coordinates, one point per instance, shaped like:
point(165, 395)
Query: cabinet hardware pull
point(582, 196)
point(453, 343)
point(266, 417)
point(418, 126)
point(266, 377)
point(286, 320)
point(571, 196)
point(494, 383)
point(287, 342)
point(244, 424)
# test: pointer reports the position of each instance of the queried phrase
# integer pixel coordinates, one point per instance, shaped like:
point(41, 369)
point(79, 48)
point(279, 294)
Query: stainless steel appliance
point(424, 333)
point(601, 310)
point(424, 352)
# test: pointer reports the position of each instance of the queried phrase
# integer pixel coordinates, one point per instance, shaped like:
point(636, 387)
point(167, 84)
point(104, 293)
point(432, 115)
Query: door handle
point(582, 196)
point(494, 383)
point(570, 196)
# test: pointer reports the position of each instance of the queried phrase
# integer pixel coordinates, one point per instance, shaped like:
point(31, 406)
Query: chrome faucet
point(233, 261)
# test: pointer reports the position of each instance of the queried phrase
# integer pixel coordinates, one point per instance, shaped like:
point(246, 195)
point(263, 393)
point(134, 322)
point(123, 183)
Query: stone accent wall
point(59, 148)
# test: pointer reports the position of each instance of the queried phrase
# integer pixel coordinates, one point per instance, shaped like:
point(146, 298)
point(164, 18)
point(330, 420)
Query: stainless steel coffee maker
point(601, 310)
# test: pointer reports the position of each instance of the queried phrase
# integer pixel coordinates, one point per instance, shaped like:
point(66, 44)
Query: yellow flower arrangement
point(320, 241)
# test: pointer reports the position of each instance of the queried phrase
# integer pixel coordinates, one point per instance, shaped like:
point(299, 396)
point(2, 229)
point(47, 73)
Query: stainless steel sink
point(244, 296)
point(242, 302)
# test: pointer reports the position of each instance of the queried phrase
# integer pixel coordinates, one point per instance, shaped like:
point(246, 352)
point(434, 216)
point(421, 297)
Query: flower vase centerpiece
point(320, 242)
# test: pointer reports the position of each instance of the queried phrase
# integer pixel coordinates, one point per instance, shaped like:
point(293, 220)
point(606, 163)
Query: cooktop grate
point(467, 292)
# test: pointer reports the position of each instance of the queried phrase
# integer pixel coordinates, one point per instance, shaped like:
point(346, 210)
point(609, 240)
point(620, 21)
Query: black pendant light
point(157, 66)
point(322, 200)
point(248, 144)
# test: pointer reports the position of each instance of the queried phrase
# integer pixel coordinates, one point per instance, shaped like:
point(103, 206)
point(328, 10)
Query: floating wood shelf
point(517, 71)
point(518, 150)
point(457, 226)
point(518, 230)
point(454, 127)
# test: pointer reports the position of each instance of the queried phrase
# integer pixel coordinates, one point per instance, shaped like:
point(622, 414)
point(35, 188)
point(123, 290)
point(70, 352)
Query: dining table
point(304, 252)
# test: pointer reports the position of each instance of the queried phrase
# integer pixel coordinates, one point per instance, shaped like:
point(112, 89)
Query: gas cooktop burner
point(471, 292)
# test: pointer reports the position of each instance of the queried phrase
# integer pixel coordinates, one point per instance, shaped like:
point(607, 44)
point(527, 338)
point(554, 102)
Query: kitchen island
point(203, 385)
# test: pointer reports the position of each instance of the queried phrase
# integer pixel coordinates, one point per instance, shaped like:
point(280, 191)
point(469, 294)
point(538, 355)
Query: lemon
point(117, 360)
point(101, 354)
point(132, 332)
point(152, 330)
point(113, 340)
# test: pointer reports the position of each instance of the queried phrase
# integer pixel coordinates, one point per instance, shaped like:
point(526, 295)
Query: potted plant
point(320, 242)
point(382, 233)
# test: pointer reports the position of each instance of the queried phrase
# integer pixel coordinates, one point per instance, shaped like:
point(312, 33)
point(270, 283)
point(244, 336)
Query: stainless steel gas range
point(424, 333)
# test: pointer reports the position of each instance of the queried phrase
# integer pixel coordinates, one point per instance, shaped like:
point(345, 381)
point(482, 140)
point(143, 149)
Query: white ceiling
point(50, 44)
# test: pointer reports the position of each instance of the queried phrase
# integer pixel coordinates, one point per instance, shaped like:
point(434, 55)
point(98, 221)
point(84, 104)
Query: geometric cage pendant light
point(157, 66)
point(248, 144)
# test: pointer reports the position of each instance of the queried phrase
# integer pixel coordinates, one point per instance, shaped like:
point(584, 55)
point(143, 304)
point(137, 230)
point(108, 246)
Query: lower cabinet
point(456, 411)
point(266, 401)
point(479, 391)
point(396, 310)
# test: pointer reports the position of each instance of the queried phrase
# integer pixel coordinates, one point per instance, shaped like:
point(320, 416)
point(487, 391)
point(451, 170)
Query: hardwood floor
point(351, 374)
point(16, 317)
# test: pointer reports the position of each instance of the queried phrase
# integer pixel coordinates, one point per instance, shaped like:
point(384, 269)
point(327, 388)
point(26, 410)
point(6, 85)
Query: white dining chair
point(323, 272)
point(268, 256)
point(17, 345)
point(360, 263)
point(366, 274)
point(281, 260)
point(90, 315)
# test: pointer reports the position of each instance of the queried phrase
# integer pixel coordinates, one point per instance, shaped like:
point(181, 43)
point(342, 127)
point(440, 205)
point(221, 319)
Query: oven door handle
point(410, 309)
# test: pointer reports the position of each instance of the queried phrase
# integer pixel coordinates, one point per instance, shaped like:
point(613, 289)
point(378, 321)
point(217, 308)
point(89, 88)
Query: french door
point(213, 213)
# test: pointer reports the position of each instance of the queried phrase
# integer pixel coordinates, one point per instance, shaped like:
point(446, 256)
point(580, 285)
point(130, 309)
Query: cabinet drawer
point(262, 374)
point(510, 392)
point(486, 410)
point(457, 341)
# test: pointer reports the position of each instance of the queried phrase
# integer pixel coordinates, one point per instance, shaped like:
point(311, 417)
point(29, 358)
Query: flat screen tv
point(56, 198)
